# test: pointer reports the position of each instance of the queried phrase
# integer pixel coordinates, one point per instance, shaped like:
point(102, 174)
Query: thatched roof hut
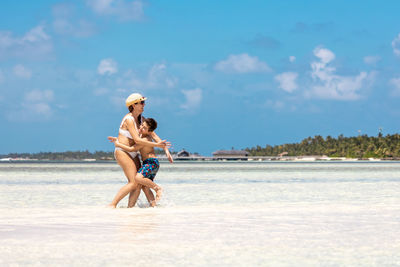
point(183, 153)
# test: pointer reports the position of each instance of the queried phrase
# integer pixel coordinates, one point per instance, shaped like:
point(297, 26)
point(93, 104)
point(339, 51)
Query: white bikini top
point(124, 132)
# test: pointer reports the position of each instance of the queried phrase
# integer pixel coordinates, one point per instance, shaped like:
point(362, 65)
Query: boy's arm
point(141, 141)
point(166, 150)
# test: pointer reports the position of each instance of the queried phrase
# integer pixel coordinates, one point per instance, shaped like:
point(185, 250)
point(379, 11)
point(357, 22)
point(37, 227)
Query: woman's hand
point(164, 144)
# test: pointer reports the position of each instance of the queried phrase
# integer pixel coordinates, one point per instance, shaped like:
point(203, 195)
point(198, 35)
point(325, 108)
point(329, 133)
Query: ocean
point(211, 214)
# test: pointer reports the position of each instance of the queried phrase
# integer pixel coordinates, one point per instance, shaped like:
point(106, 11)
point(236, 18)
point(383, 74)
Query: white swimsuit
point(127, 134)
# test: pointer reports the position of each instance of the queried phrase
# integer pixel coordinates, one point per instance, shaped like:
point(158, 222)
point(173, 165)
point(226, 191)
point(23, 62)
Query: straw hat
point(134, 98)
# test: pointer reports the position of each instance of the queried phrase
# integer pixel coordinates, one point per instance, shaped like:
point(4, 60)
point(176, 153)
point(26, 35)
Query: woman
point(129, 161)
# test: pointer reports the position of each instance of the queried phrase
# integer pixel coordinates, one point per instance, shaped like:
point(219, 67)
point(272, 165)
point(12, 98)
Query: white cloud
point(41, 109)
point(107, 66)
point(66, 23)
point(36, 43)
point(38, 103)
point(395, 82)
point(22, 72)
point(287, 81)
point(371, 60)
point(122, 9)
point(242, 63)
point(36, 34)
point(39, 96)
point(35, 107)
point(32, 112)
point(157, 77)
point(292, 59)
point(396, 45)
point(193, 98)
point(328, 85)
point(153, 80)
point(325, 55)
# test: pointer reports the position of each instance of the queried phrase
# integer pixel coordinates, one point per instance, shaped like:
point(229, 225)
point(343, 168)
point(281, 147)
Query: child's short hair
point(151, 123)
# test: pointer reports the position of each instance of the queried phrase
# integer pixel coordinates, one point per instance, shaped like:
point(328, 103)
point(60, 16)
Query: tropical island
point(361, 146)
point(356, 147)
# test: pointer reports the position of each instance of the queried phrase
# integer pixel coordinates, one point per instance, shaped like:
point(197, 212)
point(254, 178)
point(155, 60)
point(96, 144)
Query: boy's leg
point(149, 195)
point(140, 179)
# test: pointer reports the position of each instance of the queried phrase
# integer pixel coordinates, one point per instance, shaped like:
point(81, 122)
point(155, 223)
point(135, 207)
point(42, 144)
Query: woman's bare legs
point(134, 195)
point(129, 167)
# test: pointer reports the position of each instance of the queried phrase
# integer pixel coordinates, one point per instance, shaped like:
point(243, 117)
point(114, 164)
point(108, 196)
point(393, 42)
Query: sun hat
point(134, 98)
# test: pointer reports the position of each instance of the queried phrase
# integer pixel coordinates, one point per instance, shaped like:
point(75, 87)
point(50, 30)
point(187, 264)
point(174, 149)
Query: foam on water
point(250, 214)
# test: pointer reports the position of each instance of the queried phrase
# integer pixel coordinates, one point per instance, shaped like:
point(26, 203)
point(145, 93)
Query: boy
point(150, 166)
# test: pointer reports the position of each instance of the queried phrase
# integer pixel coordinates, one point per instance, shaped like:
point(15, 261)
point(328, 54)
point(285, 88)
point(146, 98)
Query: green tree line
point(362, 146)
point(62, 156)
point(69, 155)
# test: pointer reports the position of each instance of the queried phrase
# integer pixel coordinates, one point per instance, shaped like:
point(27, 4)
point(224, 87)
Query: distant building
point(230, 154)
point(183, 153)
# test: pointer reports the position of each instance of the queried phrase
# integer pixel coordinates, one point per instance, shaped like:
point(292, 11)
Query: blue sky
point(217, 74)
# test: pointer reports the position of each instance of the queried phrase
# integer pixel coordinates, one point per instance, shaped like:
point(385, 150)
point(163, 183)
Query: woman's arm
point(166, 150)
point(140, 141)
point(133, 148)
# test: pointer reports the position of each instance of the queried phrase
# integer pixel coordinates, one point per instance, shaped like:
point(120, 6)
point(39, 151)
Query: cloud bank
point(121, 9)
point(66, 23)
point(35, 107)
point(22, 72)
point(327, 84)
point(242, 63)
point(35, 44)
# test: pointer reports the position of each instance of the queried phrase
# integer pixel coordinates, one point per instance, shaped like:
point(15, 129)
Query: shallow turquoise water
point(212, 214)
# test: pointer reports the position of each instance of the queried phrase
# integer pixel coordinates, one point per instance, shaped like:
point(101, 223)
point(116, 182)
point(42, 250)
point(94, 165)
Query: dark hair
point(140, 115)
point(151, 123)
